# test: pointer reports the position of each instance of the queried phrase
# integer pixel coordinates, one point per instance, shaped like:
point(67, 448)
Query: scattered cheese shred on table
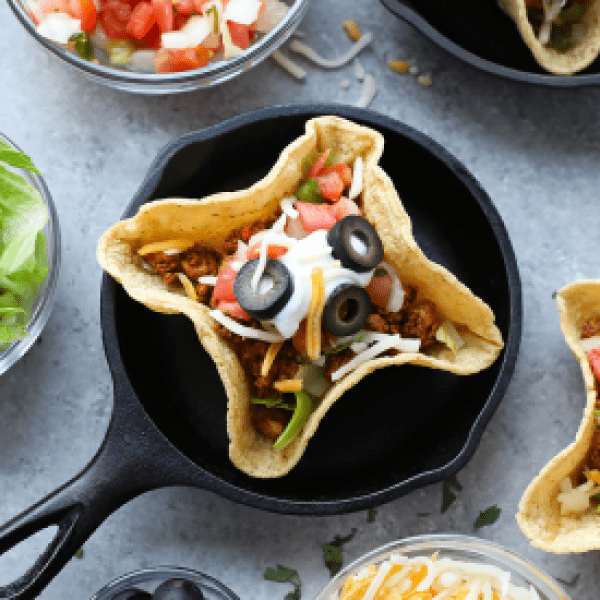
point(331, 63)
point(289, 65)
point(369, 89)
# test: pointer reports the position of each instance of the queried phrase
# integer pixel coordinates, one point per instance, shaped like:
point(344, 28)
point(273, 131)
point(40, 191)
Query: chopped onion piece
point(369, 90)
point(142, 60)
point(279, 225)
point(244, 12)
point(357, 179)
point(207, 280)
point(274, 12)
point(590, 343)
point(313, 379)
point(262, 263)
point(331, 63)
point(396, 298)
point(59, 27)
point(279, 238)
point(578, 499)
point(244, 331)
point(447, 334)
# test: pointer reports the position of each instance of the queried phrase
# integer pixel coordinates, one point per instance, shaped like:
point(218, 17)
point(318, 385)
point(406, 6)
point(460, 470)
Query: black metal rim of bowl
point(414, 18)
point(218, 71)
point(42, 310)
point(386, 493)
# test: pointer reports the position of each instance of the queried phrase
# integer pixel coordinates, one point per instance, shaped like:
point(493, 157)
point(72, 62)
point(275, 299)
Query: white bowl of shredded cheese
point(441, 567)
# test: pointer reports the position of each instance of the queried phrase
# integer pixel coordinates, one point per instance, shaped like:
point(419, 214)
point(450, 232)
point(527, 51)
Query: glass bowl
point(149, 579)
point(144, 82)
point(456, 547)
point(45, 299)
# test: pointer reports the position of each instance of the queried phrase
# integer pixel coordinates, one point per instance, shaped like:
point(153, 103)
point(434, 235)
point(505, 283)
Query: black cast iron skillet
point(398, 429)
point(482, 35)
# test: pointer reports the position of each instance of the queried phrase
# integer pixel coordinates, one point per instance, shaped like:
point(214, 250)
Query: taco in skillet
point(560, 509)
point(563, 35)
point(299, 286)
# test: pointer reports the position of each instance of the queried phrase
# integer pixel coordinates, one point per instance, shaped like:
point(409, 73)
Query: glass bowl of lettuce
point(29, 253)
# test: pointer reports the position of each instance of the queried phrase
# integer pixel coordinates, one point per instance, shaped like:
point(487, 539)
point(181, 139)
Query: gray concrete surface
point(536, 151)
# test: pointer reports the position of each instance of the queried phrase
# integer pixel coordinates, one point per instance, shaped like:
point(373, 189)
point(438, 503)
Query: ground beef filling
point(591, 328)
point(245, 233)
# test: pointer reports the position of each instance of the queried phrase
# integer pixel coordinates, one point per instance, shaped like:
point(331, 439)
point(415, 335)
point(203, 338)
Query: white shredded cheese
point(172, 252)
point(397, 294)
point(369, 90)
point(207, 280)
point(262, 263)
point(384, 569)
point(287, 206)
point(357, 179)
point(590, 343)
point(242, 330)
point(331, 63)
point(359, 70)
point(289, 65)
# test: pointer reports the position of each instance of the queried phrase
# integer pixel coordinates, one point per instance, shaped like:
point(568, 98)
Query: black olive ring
point(339, 237)
point(268, 304)
point(347, 310)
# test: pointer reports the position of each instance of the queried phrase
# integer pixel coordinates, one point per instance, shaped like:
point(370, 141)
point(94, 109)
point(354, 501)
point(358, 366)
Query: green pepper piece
point(573, 13)
point(120, 51)
point(83, 45)
point(273, 403)
point(309, 191)
point(304, 407)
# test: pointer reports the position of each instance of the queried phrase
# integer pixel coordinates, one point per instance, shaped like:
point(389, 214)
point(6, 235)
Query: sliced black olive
point(178, 589)
point(355, 243)
point(265, 302)
point(132, 594)
point(347, 309)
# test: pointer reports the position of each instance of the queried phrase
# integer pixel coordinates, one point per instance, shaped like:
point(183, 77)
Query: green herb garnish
point(380, 272)
point(79, 553)
point(83, 45)
point(342, 347)
point(309, 161)
point(488, 517)
point(285, 575)
point(371, 515)
point(309, 191)
point(448, 496)
point(332, 552)
point(273, 403)
point(23, 263)
point(303, 409)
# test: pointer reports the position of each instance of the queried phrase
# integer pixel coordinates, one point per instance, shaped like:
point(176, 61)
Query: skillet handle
point(129, 462)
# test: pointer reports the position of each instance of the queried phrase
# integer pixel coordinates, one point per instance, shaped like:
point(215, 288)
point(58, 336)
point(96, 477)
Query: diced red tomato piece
point(224, 286)
point(36, 12)
point(233, 309)
point(315, 216)
point(114, 17)
point(345, 172)
point(241, 35)
point(343, 208)
point(273, 251)
point(319, 164)
point(594, 358)
point(184, 7)
point(49, 6)
point(173, 60)
point(179, 20)
point(379, 289)
point(152, 38)
point(141, 21)
point(331, 185)
point(84, 10)
point(163, 10)
point(199, 5)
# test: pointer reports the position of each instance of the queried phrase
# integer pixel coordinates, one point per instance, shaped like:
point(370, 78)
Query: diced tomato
point(315, 216)
point(241, 35)
point(345, 172)
point(141, 21)
point(84, 10)
point(199, 5)
point(331, 185)
point(163, 10)
point(343, 208)
point(224, 286)
point(173, 60)
point(49, 6)
point(379, 289)
point(114, 17)
point(152, 38)
point(179, 20)
point(594, 358)
point(36, 12)
point(184, 7)
point(233, 309)
point(319, 164)
point(273, 251)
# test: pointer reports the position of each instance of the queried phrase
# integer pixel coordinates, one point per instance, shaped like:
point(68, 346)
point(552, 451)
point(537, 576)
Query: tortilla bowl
point(216, 216)
point(539, 514)
point(577, 58)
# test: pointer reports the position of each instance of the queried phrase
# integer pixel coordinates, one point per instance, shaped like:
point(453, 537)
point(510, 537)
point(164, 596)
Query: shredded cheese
point(315, 312)
point(242, 330)
point(208, 280)
point(369, 89)
point(188, 286)
point(357, 179)
point(288, 385)
point(289, 65)
point(331, 63)
point(270, 355)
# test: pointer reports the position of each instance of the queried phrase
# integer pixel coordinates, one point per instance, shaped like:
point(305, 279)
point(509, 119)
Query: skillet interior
point(480, 33)
point(398, 422)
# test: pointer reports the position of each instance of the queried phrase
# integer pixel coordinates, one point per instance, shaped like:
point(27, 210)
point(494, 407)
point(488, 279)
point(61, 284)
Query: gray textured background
point(536, 151)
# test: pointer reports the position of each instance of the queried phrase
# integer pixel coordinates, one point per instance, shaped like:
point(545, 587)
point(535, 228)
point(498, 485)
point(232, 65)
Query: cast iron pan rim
point(508, 356)
point(559, 81)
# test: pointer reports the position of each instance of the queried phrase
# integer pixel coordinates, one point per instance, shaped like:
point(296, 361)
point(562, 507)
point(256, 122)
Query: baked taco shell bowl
point(389, 433)
point(211, 220)
point(542, 517)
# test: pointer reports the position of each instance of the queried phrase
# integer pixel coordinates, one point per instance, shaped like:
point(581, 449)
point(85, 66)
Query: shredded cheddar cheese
point(269, 358)
point(188, 286)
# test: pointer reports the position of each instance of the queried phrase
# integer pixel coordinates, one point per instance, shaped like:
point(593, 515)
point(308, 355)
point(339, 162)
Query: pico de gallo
point(586, 495)
point(557, 23)
point(305, 297)
point(164, 35)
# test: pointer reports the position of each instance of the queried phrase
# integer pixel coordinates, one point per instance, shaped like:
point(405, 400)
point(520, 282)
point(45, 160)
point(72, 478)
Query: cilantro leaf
point(371, 515)
point(79, 553)
point(332, 552)
point(487, 517)
point(448, 496)
point(285, 575)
